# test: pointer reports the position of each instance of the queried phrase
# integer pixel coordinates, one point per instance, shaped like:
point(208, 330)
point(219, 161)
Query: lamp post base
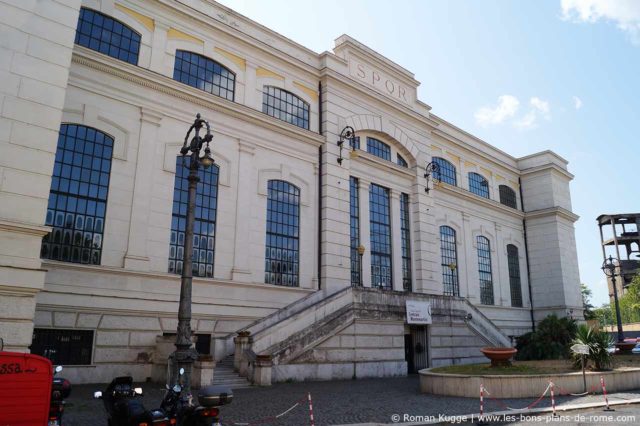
point(182, 358)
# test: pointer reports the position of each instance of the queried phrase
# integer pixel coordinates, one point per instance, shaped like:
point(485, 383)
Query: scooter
point(182, 411)
point(125, 409)
point(60, 389)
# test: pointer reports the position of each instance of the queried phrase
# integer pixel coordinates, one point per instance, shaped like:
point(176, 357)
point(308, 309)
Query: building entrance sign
point(418, 312)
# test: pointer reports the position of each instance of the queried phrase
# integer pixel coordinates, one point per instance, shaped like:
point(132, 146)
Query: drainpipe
point(319, 248)
point(526, 255)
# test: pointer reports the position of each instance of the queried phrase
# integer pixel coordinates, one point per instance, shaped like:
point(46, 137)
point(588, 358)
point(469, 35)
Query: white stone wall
point(147, 113)
point(36, 40)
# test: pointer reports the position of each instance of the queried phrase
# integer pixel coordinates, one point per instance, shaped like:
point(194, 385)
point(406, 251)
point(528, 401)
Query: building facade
point(97, 98)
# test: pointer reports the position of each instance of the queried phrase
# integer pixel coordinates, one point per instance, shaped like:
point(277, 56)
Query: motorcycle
point(125, 409)
point(60, 389)
point(183, 412)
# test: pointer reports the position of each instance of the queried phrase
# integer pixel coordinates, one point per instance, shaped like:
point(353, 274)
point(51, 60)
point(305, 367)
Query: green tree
point(630, 302)
point(586, 302)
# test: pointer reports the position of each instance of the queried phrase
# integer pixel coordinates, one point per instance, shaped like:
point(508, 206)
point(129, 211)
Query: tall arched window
point(484, 270)
point(380, 230)
point(285, 106)
point(78, 197)
point(449, 261)
point(478, 185)
point(405, 239)
point(204, 74)
point(354, 225)
point(446, 171)
point(514, 275)
point(107, 35)
point(204, 227)
point(283, 229)
point(378, 148)
point(508, 196)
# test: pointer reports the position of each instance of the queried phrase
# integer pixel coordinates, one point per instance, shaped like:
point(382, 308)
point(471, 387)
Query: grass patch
point(487, 370)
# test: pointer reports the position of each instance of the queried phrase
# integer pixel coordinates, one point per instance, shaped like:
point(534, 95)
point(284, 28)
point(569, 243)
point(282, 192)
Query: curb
point(559, 408)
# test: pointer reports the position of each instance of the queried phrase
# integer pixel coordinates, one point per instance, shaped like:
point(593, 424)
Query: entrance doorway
point(416, 348)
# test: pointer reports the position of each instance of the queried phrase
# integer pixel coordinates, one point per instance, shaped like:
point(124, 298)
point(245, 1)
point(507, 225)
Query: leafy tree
point(586, 302)
point(551, 340)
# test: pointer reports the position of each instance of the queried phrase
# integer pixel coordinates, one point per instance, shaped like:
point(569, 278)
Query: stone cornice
point(163, 84)
point(546, 167)
point(378, 162)
point(361, 88)
point(24, 228)
point(468, 196)
point(464, 145)
point(238, 26)
point(100, 269)
point(553, 211)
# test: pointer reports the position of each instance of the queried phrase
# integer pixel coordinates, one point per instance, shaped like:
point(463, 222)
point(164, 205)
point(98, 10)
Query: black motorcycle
point(182, 411)
point(60, 389)
point(124, 408)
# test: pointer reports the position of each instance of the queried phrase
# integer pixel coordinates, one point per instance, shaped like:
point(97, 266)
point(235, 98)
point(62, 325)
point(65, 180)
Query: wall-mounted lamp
point(431, 172)
point(347, 134)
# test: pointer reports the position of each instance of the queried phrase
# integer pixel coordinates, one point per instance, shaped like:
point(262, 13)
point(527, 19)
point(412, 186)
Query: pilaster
point(241, 270)
point(396, 240)
point(365, 230)
point(158, 46)
point(137, 257)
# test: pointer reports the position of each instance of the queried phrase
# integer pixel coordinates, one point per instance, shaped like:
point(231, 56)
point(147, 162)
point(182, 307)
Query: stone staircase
point(224, 375)
point(287, 341)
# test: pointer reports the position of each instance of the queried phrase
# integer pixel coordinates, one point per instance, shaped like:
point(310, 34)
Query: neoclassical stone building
point(96, 99)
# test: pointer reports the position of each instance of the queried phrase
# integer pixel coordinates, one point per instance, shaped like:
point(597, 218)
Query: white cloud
point(539, 109)
point(577, 102)
point(506, 108)
point(624, 13)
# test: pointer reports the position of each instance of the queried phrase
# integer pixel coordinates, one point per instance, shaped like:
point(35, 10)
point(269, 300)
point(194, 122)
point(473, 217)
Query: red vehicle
point(25, 389)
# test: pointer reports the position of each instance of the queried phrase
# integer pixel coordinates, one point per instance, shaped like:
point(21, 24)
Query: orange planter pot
point(499, 356)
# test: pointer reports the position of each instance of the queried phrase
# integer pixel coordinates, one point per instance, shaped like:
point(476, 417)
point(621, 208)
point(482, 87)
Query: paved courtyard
point(334, 403)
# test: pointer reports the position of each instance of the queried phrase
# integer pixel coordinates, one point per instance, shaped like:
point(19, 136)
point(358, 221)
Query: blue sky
point(524, 76)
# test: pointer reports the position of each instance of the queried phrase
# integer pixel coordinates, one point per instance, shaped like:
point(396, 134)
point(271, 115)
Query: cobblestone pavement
point(335, 402)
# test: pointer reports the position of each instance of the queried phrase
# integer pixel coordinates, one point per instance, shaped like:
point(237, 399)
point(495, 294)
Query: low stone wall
point(525, 386)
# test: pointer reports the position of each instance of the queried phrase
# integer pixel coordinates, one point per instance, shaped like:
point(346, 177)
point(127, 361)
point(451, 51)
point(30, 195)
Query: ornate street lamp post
point(185, 355)
point(609, 267)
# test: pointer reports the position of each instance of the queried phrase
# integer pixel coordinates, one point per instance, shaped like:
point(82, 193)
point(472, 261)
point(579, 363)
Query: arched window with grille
point(283, 234)
point(380, 233)
point(107, 35)
point(449, 261)
point(484, 270)
point(78, 197)
point(285, 106)
point(204, 227)
point(446, 171)
point(478, 185)
point(508, 196)
point(205, 74)
point(513, 259)
point(378, 148)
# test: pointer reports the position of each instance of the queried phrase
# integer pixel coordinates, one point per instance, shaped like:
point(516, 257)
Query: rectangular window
point(63, 347)
point(380, 227)
point(484, 270)
point(354, 213)
point(449, 261)
point(204, 227)
point(514, 275)
point(406, 242)
point(283, 233)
